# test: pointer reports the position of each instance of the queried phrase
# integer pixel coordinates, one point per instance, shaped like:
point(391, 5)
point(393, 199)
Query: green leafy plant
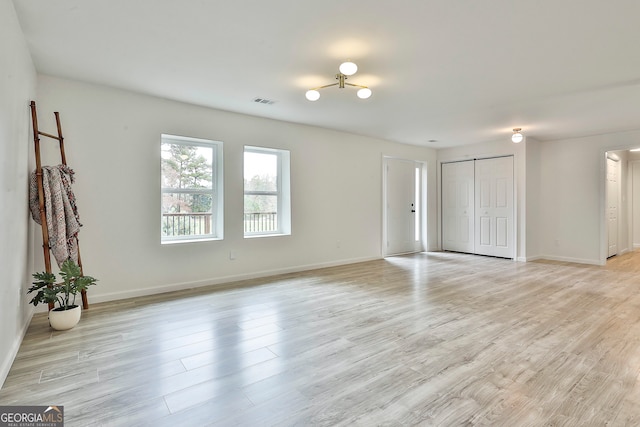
point(62, 294)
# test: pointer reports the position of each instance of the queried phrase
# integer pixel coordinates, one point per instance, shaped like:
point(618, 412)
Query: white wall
point(17, 88)
point(112, 139)
point(572, 197)
point(532, 203)
point(492, 149)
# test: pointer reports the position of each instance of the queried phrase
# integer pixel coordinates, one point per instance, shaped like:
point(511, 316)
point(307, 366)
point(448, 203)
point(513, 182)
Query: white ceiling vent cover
point(264, 101)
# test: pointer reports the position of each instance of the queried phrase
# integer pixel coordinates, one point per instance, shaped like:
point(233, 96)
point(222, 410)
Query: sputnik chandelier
point(346, 69)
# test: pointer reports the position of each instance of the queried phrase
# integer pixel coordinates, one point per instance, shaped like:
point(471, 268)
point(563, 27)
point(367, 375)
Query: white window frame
point(216, 191)
point(283, 192)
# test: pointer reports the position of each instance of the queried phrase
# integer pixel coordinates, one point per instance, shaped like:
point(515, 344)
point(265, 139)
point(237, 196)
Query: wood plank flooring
point(436, 339)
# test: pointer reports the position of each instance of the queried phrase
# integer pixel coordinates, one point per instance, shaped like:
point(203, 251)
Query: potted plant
point(66, 314)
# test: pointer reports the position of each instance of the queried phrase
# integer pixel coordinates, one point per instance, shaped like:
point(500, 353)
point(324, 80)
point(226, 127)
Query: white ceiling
point(454, 71)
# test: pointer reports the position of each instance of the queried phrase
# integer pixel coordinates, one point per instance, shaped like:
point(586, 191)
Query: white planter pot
point(66, 319)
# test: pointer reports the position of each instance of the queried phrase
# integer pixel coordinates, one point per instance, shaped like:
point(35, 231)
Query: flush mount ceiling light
point(517, 136)
point(346, 69)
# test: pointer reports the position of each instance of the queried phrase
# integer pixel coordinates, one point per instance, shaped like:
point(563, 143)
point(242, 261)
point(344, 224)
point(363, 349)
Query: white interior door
point(635, 203)
point(401, 207)
point(613, 191)
point(494, 207)
point(458, 206)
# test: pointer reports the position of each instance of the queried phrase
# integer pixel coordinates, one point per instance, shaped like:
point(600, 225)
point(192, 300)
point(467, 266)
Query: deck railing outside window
point(186, 224)
point(260, 222)
point(197, 223)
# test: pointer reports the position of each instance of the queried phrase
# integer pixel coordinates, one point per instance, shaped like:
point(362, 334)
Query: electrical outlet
point(232, 255)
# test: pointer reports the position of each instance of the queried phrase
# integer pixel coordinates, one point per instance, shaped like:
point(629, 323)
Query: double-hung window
point(192, 195)
point(267, 204)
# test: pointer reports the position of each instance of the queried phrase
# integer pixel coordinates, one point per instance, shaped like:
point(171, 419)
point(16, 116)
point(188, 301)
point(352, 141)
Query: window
point(191, 189)
point(267, 205)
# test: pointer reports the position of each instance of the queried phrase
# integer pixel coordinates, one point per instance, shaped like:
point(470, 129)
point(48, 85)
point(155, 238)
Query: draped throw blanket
point(63, 222)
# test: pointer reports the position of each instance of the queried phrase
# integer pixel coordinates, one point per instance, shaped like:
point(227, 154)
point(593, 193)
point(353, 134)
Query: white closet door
point(457, 206)
point(494, 207)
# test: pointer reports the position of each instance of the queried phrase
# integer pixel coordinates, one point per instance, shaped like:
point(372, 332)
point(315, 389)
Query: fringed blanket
point(63, 222)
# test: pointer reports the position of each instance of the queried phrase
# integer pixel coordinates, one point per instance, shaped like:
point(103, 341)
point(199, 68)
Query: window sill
point(256, 236)
point(181, 241)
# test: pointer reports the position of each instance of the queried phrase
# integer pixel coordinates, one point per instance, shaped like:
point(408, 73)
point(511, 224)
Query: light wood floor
point(427, 339)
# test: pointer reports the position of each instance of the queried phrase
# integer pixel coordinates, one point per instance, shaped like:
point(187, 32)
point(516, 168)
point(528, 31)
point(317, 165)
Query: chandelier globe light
point(312, 95)
point(345, 70)
point(364, 93)
point(348, 68)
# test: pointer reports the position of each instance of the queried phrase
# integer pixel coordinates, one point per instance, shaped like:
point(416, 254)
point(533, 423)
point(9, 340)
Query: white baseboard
point(555, 258)
point(570, 259)
point(13, 351)
point(216, 281)
point(529, 258)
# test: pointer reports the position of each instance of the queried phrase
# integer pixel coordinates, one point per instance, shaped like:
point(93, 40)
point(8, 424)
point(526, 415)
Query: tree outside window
point(189, 188)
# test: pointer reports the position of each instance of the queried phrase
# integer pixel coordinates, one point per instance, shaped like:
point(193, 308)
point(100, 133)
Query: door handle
point(413, 210)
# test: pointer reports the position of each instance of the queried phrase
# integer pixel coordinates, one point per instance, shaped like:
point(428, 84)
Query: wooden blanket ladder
point(43, 216)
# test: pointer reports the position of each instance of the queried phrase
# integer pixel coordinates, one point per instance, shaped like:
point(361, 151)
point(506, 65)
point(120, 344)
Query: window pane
point(260, 172)
point(267, 204)
point(186, 166)
point(260, 213)
point(186, 214)
point(191, 189)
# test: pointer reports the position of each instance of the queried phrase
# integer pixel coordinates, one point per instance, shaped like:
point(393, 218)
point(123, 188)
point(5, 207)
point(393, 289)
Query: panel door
point(458, 206)
point(401, 207)
point(613, 190)
point(494, 209)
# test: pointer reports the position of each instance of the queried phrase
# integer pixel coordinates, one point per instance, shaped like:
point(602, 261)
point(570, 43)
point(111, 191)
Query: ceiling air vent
point(264, 101)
